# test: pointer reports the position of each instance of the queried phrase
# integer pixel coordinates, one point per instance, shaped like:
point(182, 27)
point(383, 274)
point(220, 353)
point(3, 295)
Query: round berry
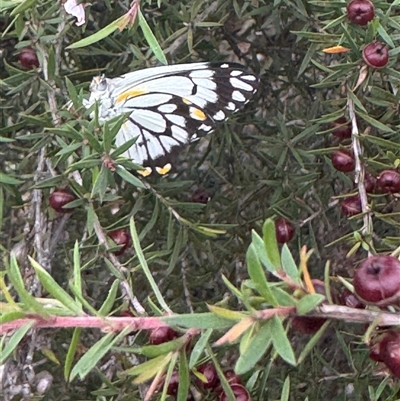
point(369, 183)
point(59, 198)
point(389, 181)
point(351, 206)
point(284, 230)
point(377, 280)
point(343, 161)
point(307, 325)
point(240, 392)
point(200, 196)
point(390, 352)
point(162, 335)
point(376, 55)
point(342, 128)
point(120, 237)
point(209, 372)
point(347, 298)
point(28, 58)
point(360, 12)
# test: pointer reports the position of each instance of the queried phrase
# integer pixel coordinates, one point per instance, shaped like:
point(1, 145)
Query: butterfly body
point(170, 106)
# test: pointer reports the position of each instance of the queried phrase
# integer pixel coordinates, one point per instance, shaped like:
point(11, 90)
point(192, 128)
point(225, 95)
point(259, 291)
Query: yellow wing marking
point(197, 114)
point(146, 172)
point(130, 93)
point(164, 170)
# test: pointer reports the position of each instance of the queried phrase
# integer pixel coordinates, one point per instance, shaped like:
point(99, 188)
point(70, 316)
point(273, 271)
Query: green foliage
point(216, 270)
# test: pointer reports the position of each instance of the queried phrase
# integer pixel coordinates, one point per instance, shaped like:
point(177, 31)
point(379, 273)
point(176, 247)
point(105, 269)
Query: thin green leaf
point(309, 303)
point(110, 300)
point(28, 301)
point(14, 340)
point(99, 35)
point(271, 244)
point(280, 341)
point(254, 352)
point(151, 39)
point(55, 290)
point(73, 346)
point(256, 273)
point(128, 177)
point(198, 349)
point(95, 353)
point(199, 321)
point(6, 179)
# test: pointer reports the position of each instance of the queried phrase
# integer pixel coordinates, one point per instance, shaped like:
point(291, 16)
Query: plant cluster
point(264, 266)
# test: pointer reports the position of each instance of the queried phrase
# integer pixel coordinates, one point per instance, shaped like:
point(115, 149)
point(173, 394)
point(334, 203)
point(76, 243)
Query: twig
point(359, 170)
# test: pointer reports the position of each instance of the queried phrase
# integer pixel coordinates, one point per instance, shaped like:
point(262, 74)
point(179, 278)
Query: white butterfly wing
point(170, 106)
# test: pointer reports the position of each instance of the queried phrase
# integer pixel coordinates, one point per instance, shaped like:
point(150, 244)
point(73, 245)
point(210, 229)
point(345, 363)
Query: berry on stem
point(162, 335)
point(389, 181)
point(28, 58)
point(209, 372)
point(284, 230)
point(120, 237)
point(59, 198)
point(343, 161)
point(377, 280)
point(351, 206)
point(342, 128)
point(376, 55)
point(239, 392)
point(360, 12)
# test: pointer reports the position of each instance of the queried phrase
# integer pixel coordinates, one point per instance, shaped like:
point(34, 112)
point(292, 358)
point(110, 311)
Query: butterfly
point(170, 106)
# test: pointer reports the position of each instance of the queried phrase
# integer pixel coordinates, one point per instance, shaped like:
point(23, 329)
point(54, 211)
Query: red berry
point(343, 161)
point(120, 237)
point(200, 196)
point(390, 353)
point(162, 335)
point(360, 12)
point(369, 183)
point(347, 298)
point(232, 377)
point(239, 391)
point(378, 346)
point(351, 206)
point(59, 198)
point(284, 230)
point(173, 384)
point(28, 58)
point(377, 280)
point(342, 128)
point(210, 374)
point(389, 181)
point(307, 325)
point(376, 54)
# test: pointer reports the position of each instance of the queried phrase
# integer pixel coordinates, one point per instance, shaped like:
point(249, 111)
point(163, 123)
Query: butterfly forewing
point(171, 106)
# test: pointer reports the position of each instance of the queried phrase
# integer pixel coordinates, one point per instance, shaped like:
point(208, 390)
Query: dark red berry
point(162, 335)
point(369, 183)
point(343, 161)
point(121, 237)
point(200, 196)
point(307, 325)
point(377, 280)
point(378, 346)
point(360, 12)
point(173, 384)
point(232, 377)
point(351, 206)
point(347, 298)
point(59, 198)
point(376, 55)
point(209, 372)
point(389, 181)
point(28, 58)
point(284, 230)
point(342, 128)
point(239, 391)
point(390, 353)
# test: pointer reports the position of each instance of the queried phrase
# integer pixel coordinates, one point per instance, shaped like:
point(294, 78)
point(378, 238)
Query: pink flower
point(77, 10)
